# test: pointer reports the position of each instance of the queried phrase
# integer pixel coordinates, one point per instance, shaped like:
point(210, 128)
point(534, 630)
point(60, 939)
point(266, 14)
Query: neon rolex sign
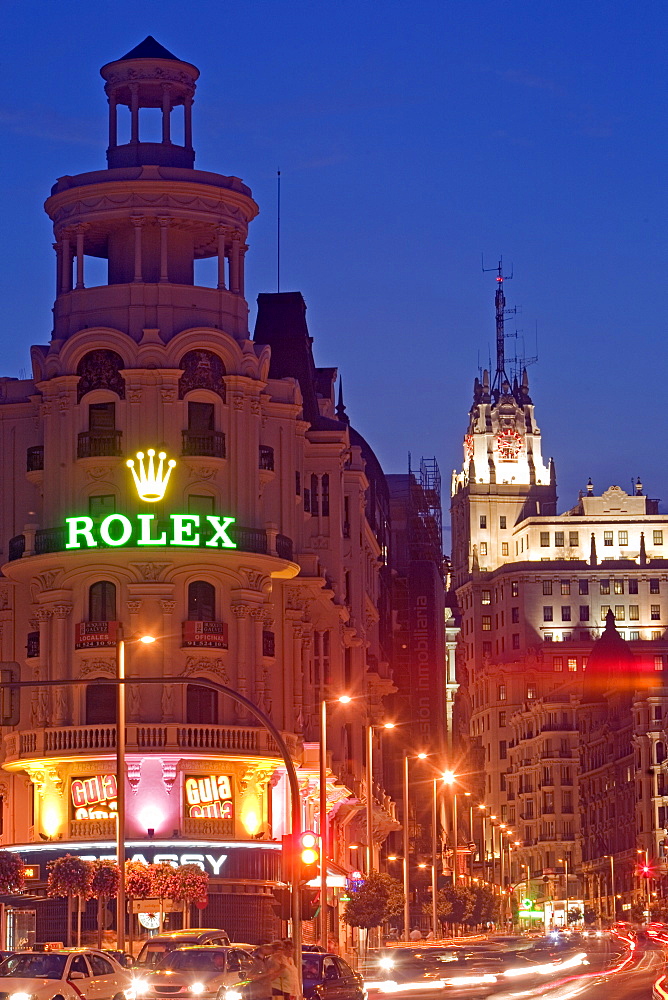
point(150, 479)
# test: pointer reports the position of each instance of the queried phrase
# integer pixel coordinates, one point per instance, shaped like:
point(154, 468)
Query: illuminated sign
point(118, 529)
point(211, 634)
point(207, 862)
point(93, 635)
point(209, 796)
point(94, 798)
point(31, 873)
point(151, 482)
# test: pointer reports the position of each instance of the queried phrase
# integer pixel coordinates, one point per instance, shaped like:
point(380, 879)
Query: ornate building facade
point(255, 551)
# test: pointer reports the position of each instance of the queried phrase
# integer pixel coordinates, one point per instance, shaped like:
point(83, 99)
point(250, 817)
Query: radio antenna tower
point(500, 375)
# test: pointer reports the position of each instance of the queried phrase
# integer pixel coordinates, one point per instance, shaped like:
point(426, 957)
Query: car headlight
point(137, 988)
point(232, 995)
point(386, 963)
point(20, 996)
point(197, 988)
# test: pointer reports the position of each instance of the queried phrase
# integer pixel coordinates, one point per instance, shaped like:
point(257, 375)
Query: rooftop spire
point(340, 408)
point(500, 375)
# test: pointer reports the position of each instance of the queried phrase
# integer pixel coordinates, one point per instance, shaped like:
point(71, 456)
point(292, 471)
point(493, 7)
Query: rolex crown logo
point(152, 478)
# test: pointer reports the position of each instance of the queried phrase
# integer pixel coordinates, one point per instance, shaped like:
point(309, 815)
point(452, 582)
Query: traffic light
point(9, 696)
point(281, 905)
point(308, 856)
point(310, 902)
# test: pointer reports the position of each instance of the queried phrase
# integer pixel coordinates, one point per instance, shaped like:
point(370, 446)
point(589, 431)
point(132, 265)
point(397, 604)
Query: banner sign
point(208, 796)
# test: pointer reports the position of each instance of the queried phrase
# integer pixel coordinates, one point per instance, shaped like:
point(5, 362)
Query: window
point(531, 692)
point(200, 504)
point(200, 418)
point(548, 636)
point(201, 601)
point(658, 663)
point(604, 611)
point(515, 615)
point(502, 782)
point(604, 587)
point(298, 483)
point(483, 548)
point(324, 483)
point(565, 613)
point(567, 802)
point(572, 664)
point(487, 623)
point(502, 521)
point(503, 749)
point(618, 586)
point(100, 506)
point(544, 539)
point(634, 612)
point(102, 602)
point(516, 640)
point(584, 612)
point(565, 587)
point(654, 586)
point(634, 636)
point(501, 692)
point(655, 634)
point(502, 719)
point(633, 586)
point(99, 965)
point(573, 539)
point(514, 589)
point(201, 705)
point(504, 549)
point(657, 537)
point(547, 613)
point(559, 539)
point(100, 704)
point(547, 587)
point(607, 537)
point(486, 649)
point(623, 538)
point(658, 711)
point(583, 586)
point(655, 612)
point(548, 802)
point(483, 520)
point(557, 663)
point(620, 613)
point(486, 597)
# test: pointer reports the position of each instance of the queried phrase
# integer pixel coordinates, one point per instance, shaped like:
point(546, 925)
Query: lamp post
point(449, 777)
point(344, 699)
point(564, 861)
point(120, 782)
point(483, 839)
point(434, 877)
point(369, 792)
point(612, 886)
point(406, 840)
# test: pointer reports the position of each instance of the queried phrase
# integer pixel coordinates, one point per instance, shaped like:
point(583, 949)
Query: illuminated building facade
point(252, 545)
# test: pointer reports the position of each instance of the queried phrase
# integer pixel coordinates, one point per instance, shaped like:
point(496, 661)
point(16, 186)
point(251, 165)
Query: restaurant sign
point(208, 796)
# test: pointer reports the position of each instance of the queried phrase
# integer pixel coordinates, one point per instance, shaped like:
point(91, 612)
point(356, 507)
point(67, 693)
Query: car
point(328, 977)
point(204, 972)
point(70, 974)
point(156, 947)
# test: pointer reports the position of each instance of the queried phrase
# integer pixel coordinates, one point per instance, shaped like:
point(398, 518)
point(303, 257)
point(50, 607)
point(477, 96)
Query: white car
point(63, 975)
point(200, 973)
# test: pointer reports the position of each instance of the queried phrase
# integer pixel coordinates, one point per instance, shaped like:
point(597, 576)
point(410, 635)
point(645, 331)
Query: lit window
point(501, 693)
point(547, 587)
point(514, 589)
point(620, 613)
point(618, 586)
point(634, 612)
point(487, 623)
point(654, 586)
point(559, 539)
point(483, 548)
point(502, 719)
point(655, 612)
point(531, 692)
point(658, 663)
point(558, 663)
point(548, 636)
point(607, 537)
point(544, 539)
point(604, 611)
point(657, 537)
point(565, 613)
point(486, 597)
point(547, 613)
point(605, 587)
point(565, 586)
point(634, 636)
point(584, 612)
point(623, 538)
point(572, 665)
point(656, 635)
point(504, 549)
point(573, 539)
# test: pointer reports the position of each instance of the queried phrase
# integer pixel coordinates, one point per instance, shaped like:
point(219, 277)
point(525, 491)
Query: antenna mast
point(278, 230)
point(500, 375)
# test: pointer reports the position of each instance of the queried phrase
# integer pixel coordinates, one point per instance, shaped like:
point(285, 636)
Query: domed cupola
point(611, 665)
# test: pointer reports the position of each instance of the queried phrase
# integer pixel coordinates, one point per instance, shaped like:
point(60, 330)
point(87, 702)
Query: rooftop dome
point(611, 665)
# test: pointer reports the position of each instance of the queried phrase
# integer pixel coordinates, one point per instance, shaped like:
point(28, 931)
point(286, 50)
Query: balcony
point(202, 828)
point(96, 741)
point(99, 444)
point(266, 461)
point(87, 829)
point(35, 459)
point(209, 445)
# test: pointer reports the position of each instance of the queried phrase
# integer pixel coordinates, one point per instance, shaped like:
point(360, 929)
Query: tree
point(11, 872)
point(70, 876)
point(106, 879)
point(454, 904)
point(163, 884)
point(189, 885)
point(574, 915)
point(590, 917)
point(378, 897)
point(137, 880)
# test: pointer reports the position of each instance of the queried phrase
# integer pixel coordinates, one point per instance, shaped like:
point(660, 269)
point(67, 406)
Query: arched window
point(100, 704)
point(100, 369)
point(660, 752)
point(201, 601)
point(102, 602)
point(201, 705)
point(202, 370)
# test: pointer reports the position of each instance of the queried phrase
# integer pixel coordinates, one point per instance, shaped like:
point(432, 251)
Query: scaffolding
point(425, 513)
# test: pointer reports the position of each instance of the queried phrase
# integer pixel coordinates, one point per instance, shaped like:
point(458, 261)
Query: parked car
point(156, 947)
point(70, 974)
point(205, 972)
point(328, 977)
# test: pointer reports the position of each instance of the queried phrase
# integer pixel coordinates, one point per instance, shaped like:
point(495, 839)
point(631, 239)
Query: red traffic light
point(309, 855)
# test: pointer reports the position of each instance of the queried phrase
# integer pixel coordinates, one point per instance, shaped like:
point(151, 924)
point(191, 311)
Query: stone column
point(41, 702)
point(134, 111)
point(234, 264)
point(58, 247)
point(188, 123)
point(222, 234)
point(113, 119)
point(242, 267)
point(167, 702)
point(241, 613)
point(166, 112)
point(138, 221)
point(66, 263)
point(60, 656)
point(80, 256)
point(164, 231)
point(257, 615)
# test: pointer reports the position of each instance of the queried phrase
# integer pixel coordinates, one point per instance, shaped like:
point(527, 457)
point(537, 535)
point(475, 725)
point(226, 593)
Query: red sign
point(92, 635)
point(94, 797)
point(205, 634)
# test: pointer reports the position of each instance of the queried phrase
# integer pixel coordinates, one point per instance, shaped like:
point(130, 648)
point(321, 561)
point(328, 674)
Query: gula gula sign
point(208, 796)
point(150, 479)
point(94, 797)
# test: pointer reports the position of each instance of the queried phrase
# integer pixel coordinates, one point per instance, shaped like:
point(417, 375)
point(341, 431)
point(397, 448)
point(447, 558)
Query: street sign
point(155, 906)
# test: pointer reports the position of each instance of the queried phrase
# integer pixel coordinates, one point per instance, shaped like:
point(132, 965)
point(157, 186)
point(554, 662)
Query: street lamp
point(120, 781)
point(449, 778)
point(612, 886)
point(343, 699)
point(564, 861)
point(483, 839)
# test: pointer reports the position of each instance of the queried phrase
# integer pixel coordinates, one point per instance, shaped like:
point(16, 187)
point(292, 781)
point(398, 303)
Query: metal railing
point(99, 444)
point(210, 444)
point(266, 457)
point(35, 458)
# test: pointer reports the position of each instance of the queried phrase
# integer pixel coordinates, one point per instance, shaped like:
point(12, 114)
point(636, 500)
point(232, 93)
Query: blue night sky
point(411, 136)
